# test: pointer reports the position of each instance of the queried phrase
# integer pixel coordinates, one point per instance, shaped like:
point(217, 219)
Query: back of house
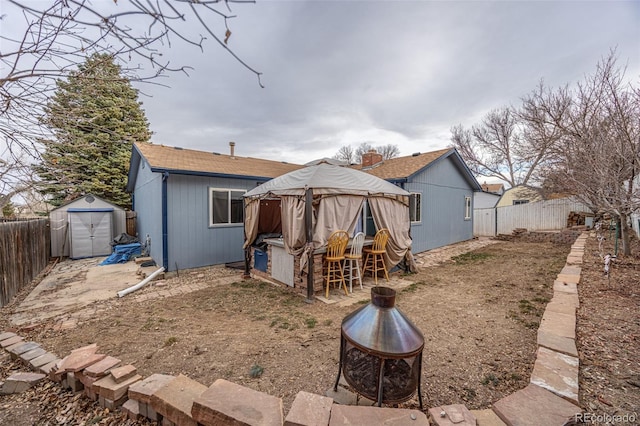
point(189, 203)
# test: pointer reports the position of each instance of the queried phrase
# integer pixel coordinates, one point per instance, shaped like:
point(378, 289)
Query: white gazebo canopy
point(320, 199)
point(327, 179)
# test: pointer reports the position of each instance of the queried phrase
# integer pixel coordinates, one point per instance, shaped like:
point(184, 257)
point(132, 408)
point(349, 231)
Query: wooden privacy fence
point(550, 215)
point(24, 253)
point(484, 222)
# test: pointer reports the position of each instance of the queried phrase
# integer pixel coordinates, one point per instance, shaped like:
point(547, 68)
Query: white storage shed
point(85, 227)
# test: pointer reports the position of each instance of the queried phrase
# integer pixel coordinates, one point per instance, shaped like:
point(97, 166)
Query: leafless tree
point(346, 154)
point(388, 151)
point(497, 147)
point(594, 129)
point(15, 178)
point(363, 148)
point(54, 36)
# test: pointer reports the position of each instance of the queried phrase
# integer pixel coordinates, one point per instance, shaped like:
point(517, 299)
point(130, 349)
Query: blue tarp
point(122, 253)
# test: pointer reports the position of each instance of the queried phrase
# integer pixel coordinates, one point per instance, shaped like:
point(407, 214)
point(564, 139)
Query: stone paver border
point(550, 399)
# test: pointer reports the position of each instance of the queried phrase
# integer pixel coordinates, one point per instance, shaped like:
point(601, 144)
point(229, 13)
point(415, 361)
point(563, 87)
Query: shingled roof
point(495, 188)
point(170, 158)
point(403, 167)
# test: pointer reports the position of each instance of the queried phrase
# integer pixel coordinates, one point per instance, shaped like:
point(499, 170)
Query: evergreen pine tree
point(95, 117)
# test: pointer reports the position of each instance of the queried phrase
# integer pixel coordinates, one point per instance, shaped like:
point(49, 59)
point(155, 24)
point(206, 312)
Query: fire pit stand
point(381, 351)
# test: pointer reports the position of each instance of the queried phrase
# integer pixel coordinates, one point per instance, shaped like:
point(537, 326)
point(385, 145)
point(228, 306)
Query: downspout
point(165, 223)
point(308, 220)
point(406, 266)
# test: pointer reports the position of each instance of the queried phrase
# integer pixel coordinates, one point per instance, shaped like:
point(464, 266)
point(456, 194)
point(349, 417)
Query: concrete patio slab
point(73, 284)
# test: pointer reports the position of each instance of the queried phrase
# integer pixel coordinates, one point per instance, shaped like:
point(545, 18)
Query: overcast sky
point(401, 72)
point(383, 72)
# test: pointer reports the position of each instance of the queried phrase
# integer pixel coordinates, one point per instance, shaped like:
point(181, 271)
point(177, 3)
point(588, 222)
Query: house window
point(225, 206)
point(518, 202)
point(467, 208)
point(415, 207)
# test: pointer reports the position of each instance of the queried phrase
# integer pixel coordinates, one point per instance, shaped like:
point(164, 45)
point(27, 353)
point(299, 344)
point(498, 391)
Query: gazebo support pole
point(308, 219)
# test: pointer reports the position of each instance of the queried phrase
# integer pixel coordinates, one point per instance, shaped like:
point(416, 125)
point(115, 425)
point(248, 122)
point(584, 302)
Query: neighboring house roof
point(403, 168)
point(170, 159)
point(495, 188)
point(519, 193)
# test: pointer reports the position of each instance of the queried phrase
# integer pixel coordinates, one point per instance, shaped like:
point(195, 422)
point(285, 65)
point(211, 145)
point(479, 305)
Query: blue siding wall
point(147, 204)
point(443, 190)
point(192, 243)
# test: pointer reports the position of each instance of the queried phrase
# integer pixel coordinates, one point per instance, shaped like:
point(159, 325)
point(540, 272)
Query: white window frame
point(418, 204)
point(467, 208)
point(210, 198)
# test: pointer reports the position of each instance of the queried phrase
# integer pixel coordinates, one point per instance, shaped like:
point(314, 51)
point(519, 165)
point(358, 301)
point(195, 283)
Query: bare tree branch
point(55, 36)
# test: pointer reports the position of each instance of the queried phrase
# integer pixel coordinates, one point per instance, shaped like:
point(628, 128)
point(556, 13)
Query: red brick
point(10, 341)
point(228, 403)
point(108, 388)
point(174, 401)
point(132, 409)
point(456, 414)
point(534, 406)
point(120, 374)
point(100, 368)
point(309, 409)
point(143, 390)
point(354, 415)
point(6, 335)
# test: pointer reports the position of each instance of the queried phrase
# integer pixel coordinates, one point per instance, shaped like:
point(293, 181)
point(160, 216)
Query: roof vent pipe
point(232, 145)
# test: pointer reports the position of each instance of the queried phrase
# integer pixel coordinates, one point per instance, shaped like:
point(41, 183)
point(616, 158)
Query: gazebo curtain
point(333, 213)
point(251, 220)
point(387, 213)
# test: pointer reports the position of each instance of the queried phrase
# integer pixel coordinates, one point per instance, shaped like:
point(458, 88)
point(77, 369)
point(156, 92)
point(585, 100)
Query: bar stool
point(352, 259)
point(374, 259)
point(336, 246)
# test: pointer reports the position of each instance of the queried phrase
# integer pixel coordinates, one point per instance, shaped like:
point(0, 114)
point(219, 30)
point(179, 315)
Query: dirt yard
point(478, 312)
point(608, 332)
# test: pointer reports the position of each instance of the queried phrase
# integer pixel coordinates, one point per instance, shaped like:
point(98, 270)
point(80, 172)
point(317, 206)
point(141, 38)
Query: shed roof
point(178, 159)
point(88, 201)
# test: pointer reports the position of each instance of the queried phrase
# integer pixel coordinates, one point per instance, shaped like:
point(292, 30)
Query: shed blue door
point(90, 233)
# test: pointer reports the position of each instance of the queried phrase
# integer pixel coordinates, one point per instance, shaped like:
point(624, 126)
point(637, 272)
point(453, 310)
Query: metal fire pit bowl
point(381, 351)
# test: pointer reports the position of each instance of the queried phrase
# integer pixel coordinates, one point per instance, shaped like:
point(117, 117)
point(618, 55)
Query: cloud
point(340, 73)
